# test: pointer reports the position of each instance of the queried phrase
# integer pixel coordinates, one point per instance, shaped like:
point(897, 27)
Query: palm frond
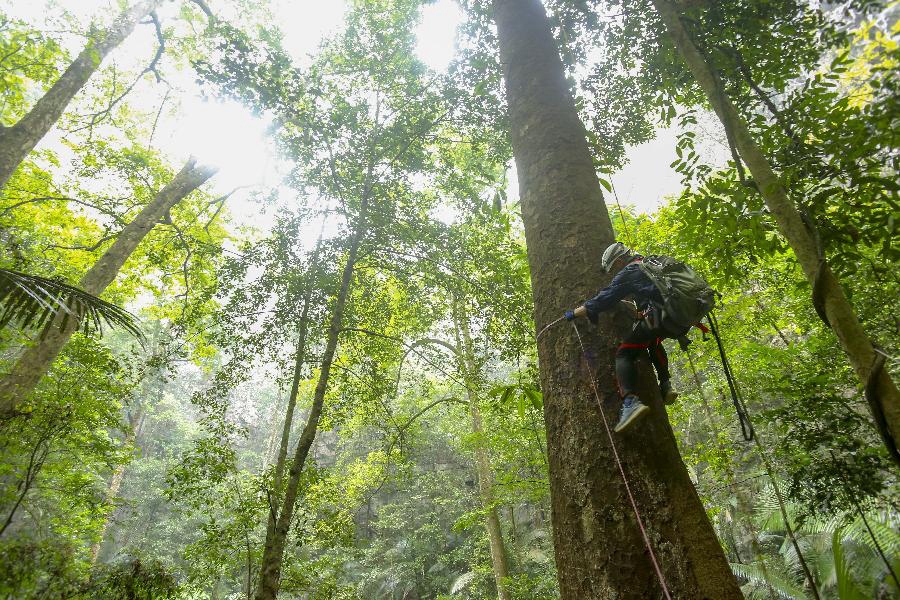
point(888, 537)
point(31, 302)
point(462, 582)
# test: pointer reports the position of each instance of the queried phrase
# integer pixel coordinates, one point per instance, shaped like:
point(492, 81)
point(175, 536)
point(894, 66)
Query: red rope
point(612, 444)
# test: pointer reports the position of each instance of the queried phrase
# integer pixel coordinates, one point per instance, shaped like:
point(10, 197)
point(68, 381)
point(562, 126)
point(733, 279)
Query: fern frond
point(783, 586)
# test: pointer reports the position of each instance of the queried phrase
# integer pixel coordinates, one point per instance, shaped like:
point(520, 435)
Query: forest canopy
point(357, 299)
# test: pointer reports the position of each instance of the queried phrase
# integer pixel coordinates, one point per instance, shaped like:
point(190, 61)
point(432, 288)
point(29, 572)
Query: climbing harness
point(739, 406)
point(612, 444)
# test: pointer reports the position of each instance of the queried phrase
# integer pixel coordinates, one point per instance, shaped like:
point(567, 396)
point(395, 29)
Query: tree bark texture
point(36, 360)
point(599, 549)
point(837, 308)
point(273, 552)
point(20, 139)
point(468, 366)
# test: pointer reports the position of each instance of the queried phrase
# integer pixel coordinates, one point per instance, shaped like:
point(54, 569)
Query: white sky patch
point(647, 177)
point(445, 213)
point(226, 135)
point(305, 23)
point(436, 34)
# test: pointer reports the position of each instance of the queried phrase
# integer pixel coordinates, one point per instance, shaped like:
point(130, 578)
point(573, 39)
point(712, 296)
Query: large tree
point(356, 124)
point(600, 551)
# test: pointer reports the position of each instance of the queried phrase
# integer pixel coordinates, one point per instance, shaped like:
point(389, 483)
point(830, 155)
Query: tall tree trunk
point(837, 308)
point(600, 552)
point(36, 360)
point(273, 553)
point(466, 359)
point(20, 139)
point(135, 424)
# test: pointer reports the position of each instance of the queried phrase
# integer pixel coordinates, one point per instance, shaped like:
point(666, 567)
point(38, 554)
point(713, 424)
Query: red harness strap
point(644, 346)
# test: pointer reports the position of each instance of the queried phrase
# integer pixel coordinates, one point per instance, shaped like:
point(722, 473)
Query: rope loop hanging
point(743, 417)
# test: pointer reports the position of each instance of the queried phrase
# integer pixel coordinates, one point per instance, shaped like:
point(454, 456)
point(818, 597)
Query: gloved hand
point(569, 315)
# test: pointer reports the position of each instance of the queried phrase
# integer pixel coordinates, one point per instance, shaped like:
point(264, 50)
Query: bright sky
point(228, 135)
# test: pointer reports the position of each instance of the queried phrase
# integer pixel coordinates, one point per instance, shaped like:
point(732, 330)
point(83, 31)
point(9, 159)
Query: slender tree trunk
point(270, 453)
point(299, 358)
point(36, 360)
point(273, 553)
point(467, 364)
point(600, 552)
point(837, 307)
point(20, 139)
point(135, 424)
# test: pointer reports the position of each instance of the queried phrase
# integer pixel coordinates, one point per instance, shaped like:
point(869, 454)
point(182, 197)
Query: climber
point(670, 297)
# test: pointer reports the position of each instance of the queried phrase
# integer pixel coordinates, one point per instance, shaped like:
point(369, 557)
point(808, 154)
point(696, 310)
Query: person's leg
point(659, 358)
point(629, 350)
point(660, 361)
point(634, 344)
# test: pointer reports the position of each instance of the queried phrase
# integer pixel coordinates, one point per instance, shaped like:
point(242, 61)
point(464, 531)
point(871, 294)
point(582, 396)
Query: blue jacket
point(630, 281)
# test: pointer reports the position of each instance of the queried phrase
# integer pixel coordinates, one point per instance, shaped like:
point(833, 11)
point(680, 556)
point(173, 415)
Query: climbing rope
point(548, 327)
point(612, 444)
point(621, 212)
point(736, 399)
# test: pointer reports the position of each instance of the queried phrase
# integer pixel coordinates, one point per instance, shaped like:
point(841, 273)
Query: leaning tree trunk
point(36, 360)
point(20, 139)
point(840, 315)
point(600, 552)
point(466, 359)
point(273, 552)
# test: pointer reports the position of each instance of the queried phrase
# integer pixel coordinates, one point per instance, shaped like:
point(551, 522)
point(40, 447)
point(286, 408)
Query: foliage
point(150, 472)
point(33, 301)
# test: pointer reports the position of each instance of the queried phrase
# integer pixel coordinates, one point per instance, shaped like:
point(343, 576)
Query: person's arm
point(621, 286)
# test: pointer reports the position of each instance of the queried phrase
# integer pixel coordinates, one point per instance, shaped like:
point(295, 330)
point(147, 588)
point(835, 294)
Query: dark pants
point(643, 339)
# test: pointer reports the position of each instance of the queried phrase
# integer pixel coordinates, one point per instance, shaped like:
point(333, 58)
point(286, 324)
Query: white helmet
point(615, 251)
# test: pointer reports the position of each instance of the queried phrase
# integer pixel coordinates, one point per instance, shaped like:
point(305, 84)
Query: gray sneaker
point(669, 395)
point(632, 410)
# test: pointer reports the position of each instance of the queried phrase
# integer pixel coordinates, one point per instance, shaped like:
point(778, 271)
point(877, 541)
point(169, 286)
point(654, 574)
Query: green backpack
point(687, 298)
